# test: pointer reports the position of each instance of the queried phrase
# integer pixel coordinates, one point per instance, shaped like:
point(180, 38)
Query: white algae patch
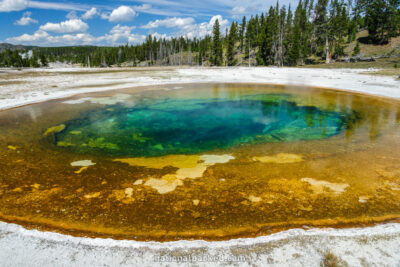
point(138, 182)
point(189, 167)
point(214, 159)
point(164, 185)
point(320, 187)
point(82, 163)
point(129, 192)
point(254, 199)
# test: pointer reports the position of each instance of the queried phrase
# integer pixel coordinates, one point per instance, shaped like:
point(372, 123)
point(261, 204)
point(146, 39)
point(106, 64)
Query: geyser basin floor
point(303, 157)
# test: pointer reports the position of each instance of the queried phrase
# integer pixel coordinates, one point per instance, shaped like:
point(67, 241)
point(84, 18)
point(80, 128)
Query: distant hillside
point(5, 46)
point(392, 48)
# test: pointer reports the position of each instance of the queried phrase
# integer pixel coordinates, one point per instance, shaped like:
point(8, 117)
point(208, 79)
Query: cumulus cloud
point(169, 23)
point(204, 28)
point(118, 35)
point(43, 38)
point(122, 35)
point(90, 13)
point(72, 32)
point(13, 5)
point(72, 15)
point(187, 26)
point(237, 11)
point(69, 26)
point(122, 13)
point(26, 19)
point(29, 38)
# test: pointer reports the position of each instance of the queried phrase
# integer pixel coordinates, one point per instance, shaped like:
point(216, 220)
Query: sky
point(112, 23)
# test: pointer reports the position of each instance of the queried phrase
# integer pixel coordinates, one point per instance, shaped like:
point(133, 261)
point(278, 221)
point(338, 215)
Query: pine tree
point(295, 45)
point(357, 49)
point(305, 30)
point(321, 28)
point(217, 45)
point(288, 35)
point(242, 33)
point(268, 37)
point(381, 19)
point(43, 61)
point(231, 45)
point(281, 37)
point(251, 36)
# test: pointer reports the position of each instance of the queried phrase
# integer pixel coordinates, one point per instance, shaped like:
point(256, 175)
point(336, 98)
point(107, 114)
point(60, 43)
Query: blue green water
point(189, 126)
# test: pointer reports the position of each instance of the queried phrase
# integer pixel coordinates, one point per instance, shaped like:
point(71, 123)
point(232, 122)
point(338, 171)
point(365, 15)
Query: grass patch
point(385, 66)
point(386, 72)
point(331, 260)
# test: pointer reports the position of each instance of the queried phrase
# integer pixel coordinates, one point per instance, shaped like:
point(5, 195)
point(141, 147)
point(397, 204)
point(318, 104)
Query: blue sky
point(100, 22)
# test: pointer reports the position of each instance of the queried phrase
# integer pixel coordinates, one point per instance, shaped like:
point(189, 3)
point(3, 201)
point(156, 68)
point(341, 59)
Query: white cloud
point(90, 13)
point(29, 39)
point(119, 35)
point(73, 34)
point(222, 22)
point(69, 26)
point(72, 15)
point(18, 5)
point(26, 19)
point(56, 6)
point(160, 36)
point(122, 35)
point(169, 23)
point(204, 28)
point(43, 38)
point(122, 13)
point(105, 16)
point(13, 5)
point(143, 7)
point(237, 11)
point(187, 27)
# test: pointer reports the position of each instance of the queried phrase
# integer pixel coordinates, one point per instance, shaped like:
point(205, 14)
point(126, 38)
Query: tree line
point(317, 30)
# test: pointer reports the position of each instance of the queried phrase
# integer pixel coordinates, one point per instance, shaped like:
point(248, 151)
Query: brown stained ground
point(347, 180)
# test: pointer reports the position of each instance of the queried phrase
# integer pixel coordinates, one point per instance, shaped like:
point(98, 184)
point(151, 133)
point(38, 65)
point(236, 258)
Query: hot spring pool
point(200, 161)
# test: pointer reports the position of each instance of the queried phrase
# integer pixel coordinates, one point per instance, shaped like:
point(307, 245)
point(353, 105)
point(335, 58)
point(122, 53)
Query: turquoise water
point(189, 126)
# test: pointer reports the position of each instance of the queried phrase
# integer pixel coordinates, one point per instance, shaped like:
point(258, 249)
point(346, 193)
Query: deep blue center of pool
point(189, 126)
